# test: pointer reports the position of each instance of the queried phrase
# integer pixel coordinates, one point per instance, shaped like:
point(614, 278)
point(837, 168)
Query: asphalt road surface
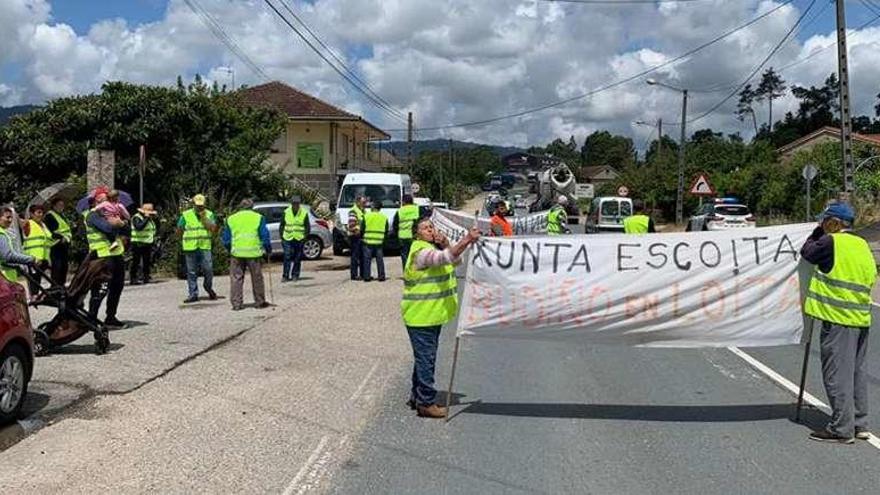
point(309, 397)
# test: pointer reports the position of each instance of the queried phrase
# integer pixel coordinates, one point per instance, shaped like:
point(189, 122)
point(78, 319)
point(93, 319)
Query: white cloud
point(447, 61)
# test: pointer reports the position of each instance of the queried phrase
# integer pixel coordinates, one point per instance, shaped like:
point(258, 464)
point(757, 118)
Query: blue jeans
point(293, 253)
point(200, 258)
point(357, 257)
point(424, 342)
point(405, 244)
point(371, 252)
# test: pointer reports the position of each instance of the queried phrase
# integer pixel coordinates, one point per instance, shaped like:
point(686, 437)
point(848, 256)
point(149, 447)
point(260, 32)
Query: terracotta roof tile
point(291, 101)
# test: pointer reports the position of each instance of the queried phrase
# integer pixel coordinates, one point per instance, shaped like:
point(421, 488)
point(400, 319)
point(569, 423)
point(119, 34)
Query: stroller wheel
point(102, 345)
point(41, 342)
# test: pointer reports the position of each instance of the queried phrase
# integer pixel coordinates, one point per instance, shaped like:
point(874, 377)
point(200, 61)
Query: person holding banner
point(430, 300)
point(839, 296)
point(557, 219)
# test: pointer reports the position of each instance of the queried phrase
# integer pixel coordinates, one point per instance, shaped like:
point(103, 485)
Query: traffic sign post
point(809, 173)
point(702, 187)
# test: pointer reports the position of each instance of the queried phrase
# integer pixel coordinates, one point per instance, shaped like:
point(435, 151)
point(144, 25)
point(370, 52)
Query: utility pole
point(845, 120)
point(659, 137)
point(409, 132)
point(679, 194)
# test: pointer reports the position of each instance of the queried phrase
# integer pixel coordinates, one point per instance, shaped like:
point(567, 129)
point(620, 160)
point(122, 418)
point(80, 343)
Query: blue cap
point(840, 211)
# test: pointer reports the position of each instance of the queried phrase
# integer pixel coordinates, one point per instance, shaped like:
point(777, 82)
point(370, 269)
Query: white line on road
point(294, 487)
point(360, 389)
point(788, 385)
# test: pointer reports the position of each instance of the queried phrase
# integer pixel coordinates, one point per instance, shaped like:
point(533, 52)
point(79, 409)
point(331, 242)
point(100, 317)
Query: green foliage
point(470, 168)
point(603, 148)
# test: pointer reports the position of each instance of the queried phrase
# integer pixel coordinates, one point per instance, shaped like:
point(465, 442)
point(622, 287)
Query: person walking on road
point(429, 301)
point(9, 257)
point(557, 218)
point(103, 236)
point(839, 296)
point(375, 229)
point(355, 237)
point(247, 239)
point(61, 233)
point(639, 223)
point(499, 225)
point(402, 225)
point(143, 236)
point(294, 227)
point(197, 226)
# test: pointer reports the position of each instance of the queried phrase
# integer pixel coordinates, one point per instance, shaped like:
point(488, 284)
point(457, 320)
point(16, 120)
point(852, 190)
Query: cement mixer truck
point(550, 183)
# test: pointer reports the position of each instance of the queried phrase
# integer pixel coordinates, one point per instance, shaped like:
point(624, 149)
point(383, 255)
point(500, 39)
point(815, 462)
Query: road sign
point(702, 186)
point(584, 191)
point(623, 191)
point(809, 172)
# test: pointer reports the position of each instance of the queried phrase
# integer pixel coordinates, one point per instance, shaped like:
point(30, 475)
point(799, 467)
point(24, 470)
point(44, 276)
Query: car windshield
point(388, 194)
point(734, 210)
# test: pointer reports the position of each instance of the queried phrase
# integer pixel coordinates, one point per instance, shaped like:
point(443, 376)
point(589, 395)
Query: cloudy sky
point(447, 61)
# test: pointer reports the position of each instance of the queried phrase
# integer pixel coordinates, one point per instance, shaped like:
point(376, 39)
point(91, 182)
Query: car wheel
point(312, 248)
point(13, 382)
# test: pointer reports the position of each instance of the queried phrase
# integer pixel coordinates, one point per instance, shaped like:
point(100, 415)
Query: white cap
point(562, 199)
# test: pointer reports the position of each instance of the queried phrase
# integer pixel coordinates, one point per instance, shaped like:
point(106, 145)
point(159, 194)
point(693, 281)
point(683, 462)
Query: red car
point(16, 349)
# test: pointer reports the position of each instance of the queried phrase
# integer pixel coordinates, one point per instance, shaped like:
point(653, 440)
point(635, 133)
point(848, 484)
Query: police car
point(722, 214)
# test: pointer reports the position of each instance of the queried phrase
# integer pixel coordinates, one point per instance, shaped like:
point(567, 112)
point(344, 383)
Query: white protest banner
point(713, 289)
point(531, 224)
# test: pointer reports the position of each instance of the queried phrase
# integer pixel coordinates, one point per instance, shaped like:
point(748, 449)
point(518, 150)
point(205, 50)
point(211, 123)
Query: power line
point(610, 85)
point(758, 68)
point(622, 2)
point(387, 109)
point(340, 61)
point(217, 30)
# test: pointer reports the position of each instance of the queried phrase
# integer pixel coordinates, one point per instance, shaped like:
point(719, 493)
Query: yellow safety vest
point(554, 220)
point(295, 224)
point(63, 227)
point(245, 229)
point(406, 216)
point(429, 295)
point(37, 242)
point(9, 272)
point(146, 235)
point(375, 223)
point(636, 224)
point(843, 295)
point(99, 243)
point(195, 236)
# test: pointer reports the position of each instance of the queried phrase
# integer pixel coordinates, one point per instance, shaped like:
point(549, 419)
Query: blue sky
point(81, 14)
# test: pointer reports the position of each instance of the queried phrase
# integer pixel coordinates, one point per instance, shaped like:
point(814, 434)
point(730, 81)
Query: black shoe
point(412, 404)
point(356, 279)
point(237, 308)
point(284, 280)
point(382, 279)
point(113, 322)
point(368, 280)
point(148, 281)
point(190, 300)
point(211, 294)
point(827, 436)
point(262, 305)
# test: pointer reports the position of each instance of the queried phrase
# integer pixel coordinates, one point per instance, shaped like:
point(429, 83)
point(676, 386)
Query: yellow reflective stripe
point(429, 280)
point(841, 284)
point(840, 304)
point(429, 296)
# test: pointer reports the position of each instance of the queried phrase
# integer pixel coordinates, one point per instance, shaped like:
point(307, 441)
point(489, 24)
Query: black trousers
point(59, 255)
point(114, 289)
point(141, 258)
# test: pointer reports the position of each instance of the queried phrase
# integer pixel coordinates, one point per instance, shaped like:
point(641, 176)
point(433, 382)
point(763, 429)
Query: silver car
point(319, 237)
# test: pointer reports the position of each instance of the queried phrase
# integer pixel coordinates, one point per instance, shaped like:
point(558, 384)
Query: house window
point(280, 144)
point(345, 149)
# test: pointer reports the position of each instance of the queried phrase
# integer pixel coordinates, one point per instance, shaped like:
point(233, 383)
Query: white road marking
point(788, 385)
point(363, 385)
point(294, 486)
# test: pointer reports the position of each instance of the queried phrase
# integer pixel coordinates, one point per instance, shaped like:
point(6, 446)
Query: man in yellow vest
point(839, 296)
point(247, 239)
point(99, 232)
point(403, 225)
point(9, 257)
point(197, 226)
point(355, 237)
point(61, 233)
point(557, 218)
point(638, 223)
point(295, 226)
point(375, 229)
point(143, 237)
point(36, 243)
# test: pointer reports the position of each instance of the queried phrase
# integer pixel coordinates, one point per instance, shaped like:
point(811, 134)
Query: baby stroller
point(72, 320)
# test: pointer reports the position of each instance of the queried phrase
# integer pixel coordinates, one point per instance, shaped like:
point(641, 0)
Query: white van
point(607, 214)
point(387, 188)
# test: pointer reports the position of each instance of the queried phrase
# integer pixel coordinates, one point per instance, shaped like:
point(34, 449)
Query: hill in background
point(398, 148)
point(7, 113)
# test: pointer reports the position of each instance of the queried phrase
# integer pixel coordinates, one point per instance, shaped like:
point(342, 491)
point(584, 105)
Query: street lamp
point(679, 195)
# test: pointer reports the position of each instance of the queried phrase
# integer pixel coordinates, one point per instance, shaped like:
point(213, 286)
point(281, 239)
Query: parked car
point(722, 214)
point(319, 238)
point(16, 350)
point(607, 214)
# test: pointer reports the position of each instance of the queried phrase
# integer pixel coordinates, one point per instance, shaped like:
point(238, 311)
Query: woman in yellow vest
point(36, 243)
point(839, 296)
point(429, 301)
point(9, 257)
